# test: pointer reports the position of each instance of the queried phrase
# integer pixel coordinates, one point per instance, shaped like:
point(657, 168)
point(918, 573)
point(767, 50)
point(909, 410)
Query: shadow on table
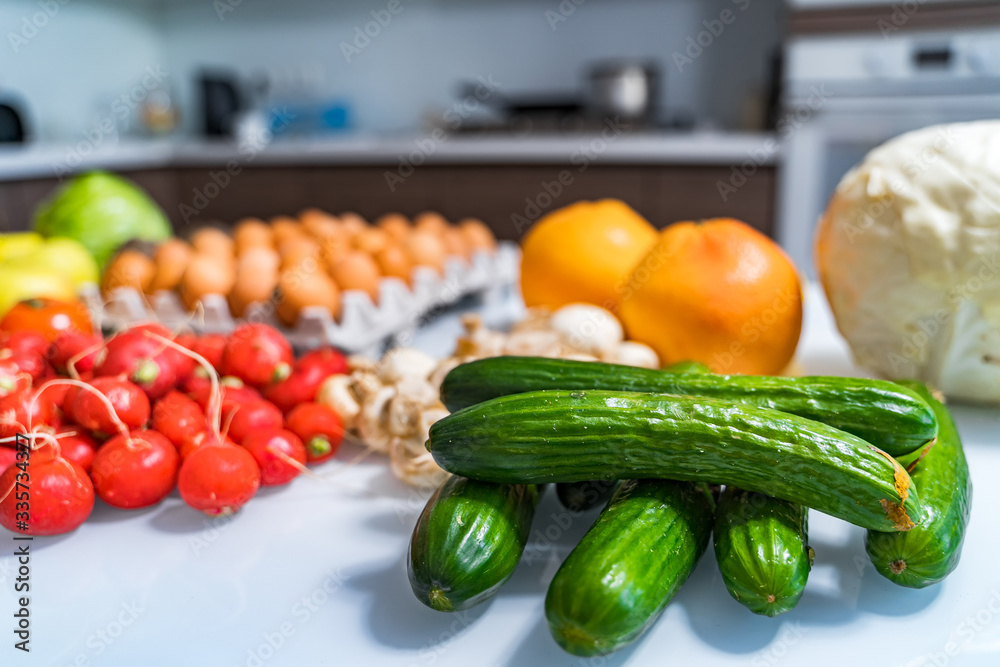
point(396, 618)
point(105, 513)
point(539, 648)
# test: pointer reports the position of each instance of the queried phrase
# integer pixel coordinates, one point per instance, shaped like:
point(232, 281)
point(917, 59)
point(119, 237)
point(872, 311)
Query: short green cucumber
point(571, 436)
point(468, 541)
point(931, 551)
point(629, 565)
point(582, 496)
point(891, 417)
point(761, 549)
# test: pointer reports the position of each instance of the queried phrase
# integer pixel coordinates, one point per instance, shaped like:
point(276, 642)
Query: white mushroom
point(359, 362)
point(632, 353)
point(372, 422)
point(404, 362)
point(533, 344)
point(410, 461)
point(588, 329)
point(336, 393)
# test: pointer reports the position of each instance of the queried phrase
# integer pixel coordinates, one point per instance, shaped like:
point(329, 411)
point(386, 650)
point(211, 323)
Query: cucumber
point(891, 417)
point(629, 565)
point(468, 540)
point(760, 546)
point(570, 436)
point(931, 551)
point(582, 496)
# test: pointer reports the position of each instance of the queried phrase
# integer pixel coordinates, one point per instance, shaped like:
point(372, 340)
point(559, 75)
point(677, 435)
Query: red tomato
point(136, 474)
point(319, 427)
point(271, 449)
point(49, 317)
point(129, 402)
point(77, 446)
point(257, 354)
point(62, 496)
point(218, 479)
point(253, 416)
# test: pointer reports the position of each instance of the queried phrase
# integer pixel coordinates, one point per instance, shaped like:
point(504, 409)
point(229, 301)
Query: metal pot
point(624, 88)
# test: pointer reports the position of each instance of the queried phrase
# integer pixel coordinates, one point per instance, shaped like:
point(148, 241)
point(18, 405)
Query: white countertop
point(317, 570)
point(696, 148)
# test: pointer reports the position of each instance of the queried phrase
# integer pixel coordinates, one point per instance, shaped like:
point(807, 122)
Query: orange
point(583, 253)
point(718, 292)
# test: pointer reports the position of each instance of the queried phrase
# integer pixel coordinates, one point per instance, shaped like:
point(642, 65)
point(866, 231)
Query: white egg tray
point(362, 324)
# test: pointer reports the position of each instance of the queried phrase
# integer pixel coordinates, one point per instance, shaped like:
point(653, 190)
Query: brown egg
point(478, 235)
point(332, 248)
point(396, 225)
point(318, 223)
point(430, 221)
point(212, 241)
point(205, 274)
point(262, 259)
point(357, 270)
point(426, 249)
point(455, 244)
point(371, 240)
point(252, 233)
point(129, 268)
point(171, 257)
point(285, 228)
point(305, 285)
point(256, 279)
point(352, 223)
point(394, 262)
point(298, 248)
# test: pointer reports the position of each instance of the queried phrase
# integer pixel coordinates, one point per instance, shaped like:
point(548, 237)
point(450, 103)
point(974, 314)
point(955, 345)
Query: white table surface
point(317, 569)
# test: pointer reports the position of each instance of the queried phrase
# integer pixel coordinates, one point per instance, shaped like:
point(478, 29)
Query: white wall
point(92, 52)
point(74, 68)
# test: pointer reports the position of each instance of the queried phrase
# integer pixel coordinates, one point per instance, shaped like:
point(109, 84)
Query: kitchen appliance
point(626, 89)
point(843, 95)
point(220, 104)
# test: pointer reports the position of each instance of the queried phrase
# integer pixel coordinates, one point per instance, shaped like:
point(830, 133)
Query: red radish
point(129, 402)
point(55, 394)
point(76, 446)
point(27, 362)
point(307, 375)
point(202, 438)
point(272, 450)
point(70, 344)
point(211, 347)
point(20, 412)
point(11, 376)
point(147, 362)
point(61, 494)
point(8, 455)
point(177, 417)
point(218, 479)
point(253, 416)
point(319, 427)
point(26, 342)
point(233, 393)
point(135, 471)
point(258, 354)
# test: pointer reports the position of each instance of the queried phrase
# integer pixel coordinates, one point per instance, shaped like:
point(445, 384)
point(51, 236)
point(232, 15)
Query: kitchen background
point(743, 108)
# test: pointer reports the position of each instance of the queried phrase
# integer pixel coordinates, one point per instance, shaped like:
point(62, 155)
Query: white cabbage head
point(908, 251)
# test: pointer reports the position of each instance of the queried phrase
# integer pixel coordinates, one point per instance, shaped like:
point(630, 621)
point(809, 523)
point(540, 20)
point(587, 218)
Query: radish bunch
point(145, 412)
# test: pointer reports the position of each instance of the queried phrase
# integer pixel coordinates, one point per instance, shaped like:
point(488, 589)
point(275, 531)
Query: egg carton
point(362, 326)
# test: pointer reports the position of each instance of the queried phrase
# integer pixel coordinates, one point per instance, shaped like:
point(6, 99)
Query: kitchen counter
point(314, 574)
point(697, 148)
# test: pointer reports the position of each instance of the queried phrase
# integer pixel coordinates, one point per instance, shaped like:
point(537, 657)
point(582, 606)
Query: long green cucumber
point(891, 417)
point(931, 551)
point(761, 549)
point(468, 541)
point(569, 436)
point(582, 496)
point(629, 565)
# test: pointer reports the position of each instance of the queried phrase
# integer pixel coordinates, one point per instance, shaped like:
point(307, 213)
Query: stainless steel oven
point(844, 95)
